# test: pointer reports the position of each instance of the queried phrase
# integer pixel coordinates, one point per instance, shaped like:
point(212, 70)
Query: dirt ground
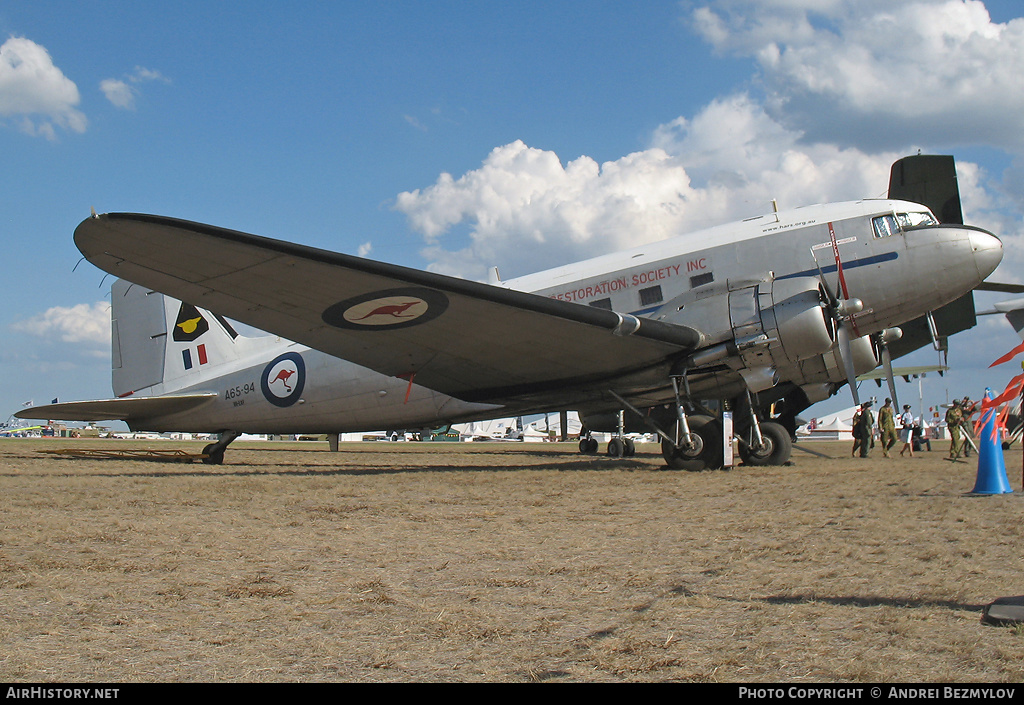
point(501, 562)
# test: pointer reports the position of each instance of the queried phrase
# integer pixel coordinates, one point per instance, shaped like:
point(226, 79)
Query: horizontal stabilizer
point(1001, 288)
point(127, 409)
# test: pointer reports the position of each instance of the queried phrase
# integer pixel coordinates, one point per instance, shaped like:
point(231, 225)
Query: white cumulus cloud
point(118, 92)
point(87, 324)
point(122, 92)
point(524, 210)
point(523, 205)
point(849, 87)
point(877, 73)
point(35, 92)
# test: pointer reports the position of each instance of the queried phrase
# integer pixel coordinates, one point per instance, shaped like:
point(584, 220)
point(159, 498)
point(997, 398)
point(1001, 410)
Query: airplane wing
point(466, 339)
point(127, 409)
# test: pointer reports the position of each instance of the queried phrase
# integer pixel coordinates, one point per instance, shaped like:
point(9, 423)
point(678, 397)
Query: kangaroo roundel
point(283, 379)
point(387, 309)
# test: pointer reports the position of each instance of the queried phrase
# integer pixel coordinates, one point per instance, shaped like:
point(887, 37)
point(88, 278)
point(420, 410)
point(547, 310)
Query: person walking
point(967, 408)
point(855, 431)
point(866, 426)
point(907, 430)
point(954, 417)
point(886, 427)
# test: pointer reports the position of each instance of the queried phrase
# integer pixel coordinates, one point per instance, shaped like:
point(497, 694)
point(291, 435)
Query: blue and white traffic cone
point(991, 466)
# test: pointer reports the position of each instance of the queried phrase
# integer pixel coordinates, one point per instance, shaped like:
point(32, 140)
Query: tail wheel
point(706, 452)
point(214, 455)
point(775, 449)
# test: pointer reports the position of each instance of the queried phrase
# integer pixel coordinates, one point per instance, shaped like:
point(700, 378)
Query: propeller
point(882, 341)
point(842, 311)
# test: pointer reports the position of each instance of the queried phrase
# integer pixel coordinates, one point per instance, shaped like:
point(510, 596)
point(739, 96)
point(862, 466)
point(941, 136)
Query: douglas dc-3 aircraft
point(775, 312)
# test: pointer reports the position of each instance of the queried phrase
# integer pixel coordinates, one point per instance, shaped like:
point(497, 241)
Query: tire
point(778, 446)
point(214, 456)
point(707, 457)
point(630, 447)
point(616, 448)
point(588, 446)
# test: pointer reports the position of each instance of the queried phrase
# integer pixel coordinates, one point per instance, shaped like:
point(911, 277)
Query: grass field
point(500, 562)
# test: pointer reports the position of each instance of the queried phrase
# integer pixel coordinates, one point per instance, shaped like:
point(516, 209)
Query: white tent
point(493, 429)
point(551, 427)
point(835, 427)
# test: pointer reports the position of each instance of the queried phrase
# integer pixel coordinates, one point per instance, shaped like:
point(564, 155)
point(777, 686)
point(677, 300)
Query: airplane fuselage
point(898, 276)
point(731, 283)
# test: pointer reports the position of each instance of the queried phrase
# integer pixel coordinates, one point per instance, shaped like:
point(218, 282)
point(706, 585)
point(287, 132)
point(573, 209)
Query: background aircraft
point(773, 312)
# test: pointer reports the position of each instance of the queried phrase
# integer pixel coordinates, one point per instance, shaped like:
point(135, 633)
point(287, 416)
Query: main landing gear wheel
point(588, 446)
point(775, 449)
point(621, 448)
point(705, 453)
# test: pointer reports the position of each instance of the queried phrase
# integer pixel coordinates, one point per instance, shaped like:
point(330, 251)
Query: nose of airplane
point(987, 249)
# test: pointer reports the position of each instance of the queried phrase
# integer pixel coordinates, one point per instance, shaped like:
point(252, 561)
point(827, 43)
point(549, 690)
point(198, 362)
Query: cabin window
point(651, 295)
point(701, 280)
point(602, 303)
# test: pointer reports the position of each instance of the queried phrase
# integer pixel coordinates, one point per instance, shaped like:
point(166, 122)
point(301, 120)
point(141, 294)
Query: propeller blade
point(887, 364)
point(883, 339)
point(833, 298)
point(846, 355)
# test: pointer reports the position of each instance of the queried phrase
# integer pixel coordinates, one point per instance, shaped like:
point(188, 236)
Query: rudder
point(157, 341)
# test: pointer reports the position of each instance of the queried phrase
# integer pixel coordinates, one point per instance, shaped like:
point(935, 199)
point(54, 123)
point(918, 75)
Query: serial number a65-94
point(239, 390)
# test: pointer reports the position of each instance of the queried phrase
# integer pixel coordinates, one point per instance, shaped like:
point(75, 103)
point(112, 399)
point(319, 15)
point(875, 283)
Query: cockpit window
point(887, 225)
point(914, 220)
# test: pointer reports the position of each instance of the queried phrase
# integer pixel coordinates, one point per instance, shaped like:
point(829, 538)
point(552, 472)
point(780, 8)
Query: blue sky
point(461, 135)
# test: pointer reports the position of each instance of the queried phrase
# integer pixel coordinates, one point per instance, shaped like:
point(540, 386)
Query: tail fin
point(929, 179)
point(159, 342)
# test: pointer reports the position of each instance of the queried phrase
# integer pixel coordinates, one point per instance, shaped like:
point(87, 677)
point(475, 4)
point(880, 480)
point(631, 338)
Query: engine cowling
point(760, 328)
point(819, 376)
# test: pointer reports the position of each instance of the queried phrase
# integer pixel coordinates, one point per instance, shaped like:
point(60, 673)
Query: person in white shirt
point(907, 431)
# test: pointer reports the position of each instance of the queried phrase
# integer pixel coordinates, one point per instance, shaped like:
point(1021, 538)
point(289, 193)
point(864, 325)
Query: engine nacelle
point(758, 329)
point(818, 376)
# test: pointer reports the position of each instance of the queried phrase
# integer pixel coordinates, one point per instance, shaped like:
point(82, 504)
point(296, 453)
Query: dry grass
point(447, 562)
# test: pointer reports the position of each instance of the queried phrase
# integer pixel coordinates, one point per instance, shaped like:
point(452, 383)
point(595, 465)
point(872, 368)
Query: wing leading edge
point(466, 339)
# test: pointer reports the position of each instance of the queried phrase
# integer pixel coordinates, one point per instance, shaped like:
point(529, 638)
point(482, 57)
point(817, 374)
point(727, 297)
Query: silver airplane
point(760, 317)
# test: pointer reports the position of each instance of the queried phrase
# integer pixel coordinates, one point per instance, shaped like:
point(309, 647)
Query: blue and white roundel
point(283, 379)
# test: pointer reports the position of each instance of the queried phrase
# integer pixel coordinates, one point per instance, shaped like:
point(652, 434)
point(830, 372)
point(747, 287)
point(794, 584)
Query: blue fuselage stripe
point(852, 264)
